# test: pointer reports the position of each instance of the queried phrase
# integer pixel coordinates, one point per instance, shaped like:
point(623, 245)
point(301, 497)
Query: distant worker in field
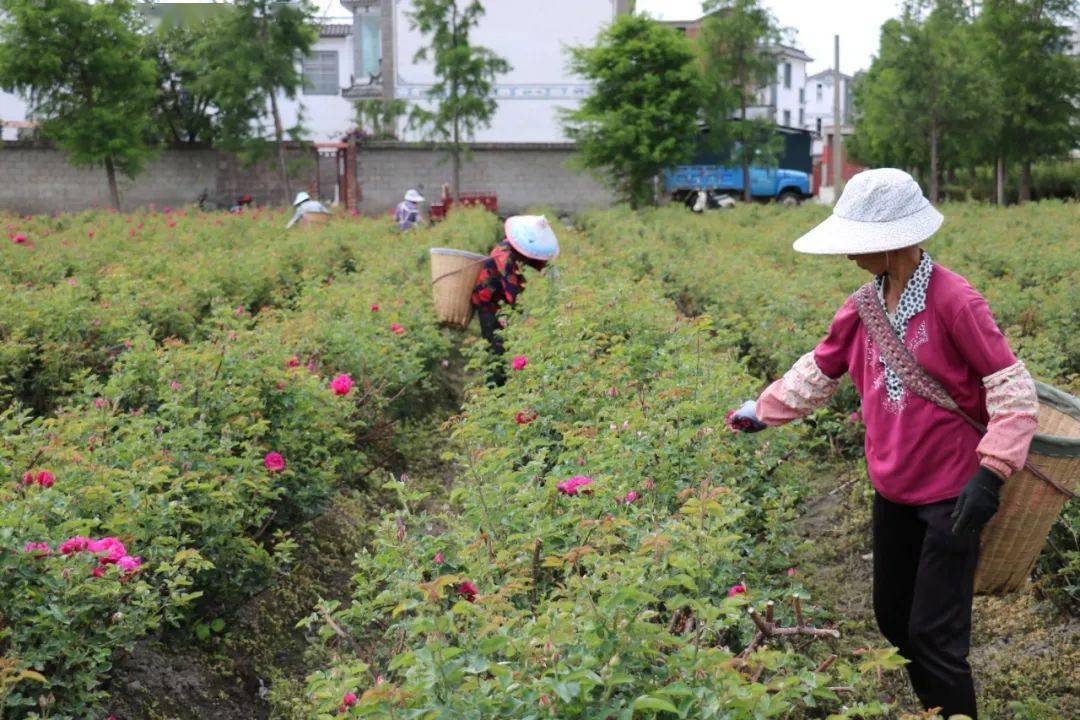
point(241, 203)
point(407, 214)
point(914, 336)
point(306, 206)
point(529, 241)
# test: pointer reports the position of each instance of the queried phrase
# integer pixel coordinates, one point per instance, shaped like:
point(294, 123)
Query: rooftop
point(335, 30)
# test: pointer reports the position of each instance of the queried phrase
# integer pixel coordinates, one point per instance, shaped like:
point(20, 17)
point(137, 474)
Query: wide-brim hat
point(301, 197)
point(879, 210)
point(413, 196)
point(532, 236)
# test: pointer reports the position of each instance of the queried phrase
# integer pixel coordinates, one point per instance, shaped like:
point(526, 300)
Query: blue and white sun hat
point(532, 236)
point(879, 210)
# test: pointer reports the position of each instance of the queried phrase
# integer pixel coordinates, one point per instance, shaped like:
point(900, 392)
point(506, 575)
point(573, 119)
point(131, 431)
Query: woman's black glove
point(977, 503)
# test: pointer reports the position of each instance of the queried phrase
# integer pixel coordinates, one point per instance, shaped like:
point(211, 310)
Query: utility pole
point(838, 121)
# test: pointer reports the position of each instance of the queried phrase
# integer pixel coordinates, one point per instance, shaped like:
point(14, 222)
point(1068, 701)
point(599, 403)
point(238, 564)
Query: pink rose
point(108, 549)
point(523, 418)
point(90, 234)
point(374, 307)
point(294, 361)
point(98, 572)
point(574, 485)
point(131, 233)
point(72, 282)
point(649, 484)
point(736, 590)
point(341, 385)
point(175, 385)
point(397, 329)
point(129, 564)
point(46, 479)
point(791, 572)
point(630, 497)
point(349, 700)
point(520, 362)
point(855, 418)
point(74, 545)
point(467, 590)
point(274, 462)
point(38, 549)
point(100, 403)
point(19, 239)
point(439, 558)
point(28, 478)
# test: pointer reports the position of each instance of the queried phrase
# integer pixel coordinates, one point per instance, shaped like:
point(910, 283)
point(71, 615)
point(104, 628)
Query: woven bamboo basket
point(314, 219)
point(1012, 541)
point(453, 277)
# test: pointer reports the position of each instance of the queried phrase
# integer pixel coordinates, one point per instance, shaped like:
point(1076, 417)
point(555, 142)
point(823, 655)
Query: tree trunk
point(934, 189)
point(1025, 181)
point(114, 191)
point(279, 133)
point(747, 197)
point(999, 180)
point(455, 154)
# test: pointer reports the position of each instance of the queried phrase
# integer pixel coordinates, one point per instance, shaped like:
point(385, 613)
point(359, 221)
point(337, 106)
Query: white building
point(370, 54)
point(784, 99)
point(819, 100)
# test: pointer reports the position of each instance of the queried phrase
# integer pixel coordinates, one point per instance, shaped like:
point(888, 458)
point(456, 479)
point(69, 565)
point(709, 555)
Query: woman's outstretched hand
point(977, 503)
point(744, 418)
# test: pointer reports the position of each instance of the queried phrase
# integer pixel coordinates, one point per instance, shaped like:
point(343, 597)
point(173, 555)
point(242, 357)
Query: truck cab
point(790, 187)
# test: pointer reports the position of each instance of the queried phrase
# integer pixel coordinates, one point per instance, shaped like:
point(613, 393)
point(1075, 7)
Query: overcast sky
point(813, 24)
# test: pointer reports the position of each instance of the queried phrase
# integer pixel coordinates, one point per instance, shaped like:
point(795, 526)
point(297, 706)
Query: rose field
point(247, 474)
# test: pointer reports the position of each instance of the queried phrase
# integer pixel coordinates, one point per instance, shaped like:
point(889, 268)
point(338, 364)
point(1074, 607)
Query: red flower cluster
point(44, 478)
point(467, 590)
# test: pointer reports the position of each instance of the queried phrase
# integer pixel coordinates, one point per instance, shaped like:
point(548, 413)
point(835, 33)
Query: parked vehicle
point(712, 172)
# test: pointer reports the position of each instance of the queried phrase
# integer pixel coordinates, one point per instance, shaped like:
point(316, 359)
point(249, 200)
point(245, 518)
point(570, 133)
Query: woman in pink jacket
point(936, 478)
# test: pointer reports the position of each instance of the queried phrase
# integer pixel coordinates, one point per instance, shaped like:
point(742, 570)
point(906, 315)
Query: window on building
point(787, 75)
point(802, 118)
point(321, 73)
point(772, 94)
point(819, 91)
point(787, 118)
point(802, 95)
point(819, 125)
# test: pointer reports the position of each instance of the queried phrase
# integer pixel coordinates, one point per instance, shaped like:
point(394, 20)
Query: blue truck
point(789, 183)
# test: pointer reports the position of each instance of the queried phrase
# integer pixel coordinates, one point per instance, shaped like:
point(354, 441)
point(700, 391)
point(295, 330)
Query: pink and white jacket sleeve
point(1013, 407)
point(803, 389)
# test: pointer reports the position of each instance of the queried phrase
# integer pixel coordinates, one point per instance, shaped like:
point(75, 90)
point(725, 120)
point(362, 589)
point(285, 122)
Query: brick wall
point(523, 176)
point(35, 178)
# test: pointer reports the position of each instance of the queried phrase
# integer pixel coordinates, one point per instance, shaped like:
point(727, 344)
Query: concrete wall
point(522, 175)
point(36, 178)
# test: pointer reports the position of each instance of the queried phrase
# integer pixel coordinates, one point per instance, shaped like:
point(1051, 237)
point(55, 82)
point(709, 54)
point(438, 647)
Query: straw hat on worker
point(937, 478)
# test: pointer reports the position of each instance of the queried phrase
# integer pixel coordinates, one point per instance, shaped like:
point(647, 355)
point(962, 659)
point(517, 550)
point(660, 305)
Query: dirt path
point(1020, 647)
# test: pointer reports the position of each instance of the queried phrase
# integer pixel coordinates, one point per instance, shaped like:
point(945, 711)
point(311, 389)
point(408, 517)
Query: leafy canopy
point(642, 114)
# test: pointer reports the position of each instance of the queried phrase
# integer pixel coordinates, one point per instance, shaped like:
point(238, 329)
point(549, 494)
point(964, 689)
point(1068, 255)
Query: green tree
point(738, 41)
point(84, 71)
point(928, 101)
point(462, 94)
point(378, 117)
point(642, 114)
point(1027, 49)
point(253, 55)
point(181, 114)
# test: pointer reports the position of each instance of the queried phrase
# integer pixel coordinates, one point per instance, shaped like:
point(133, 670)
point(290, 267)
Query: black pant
point(489, 328)
point(924, 578)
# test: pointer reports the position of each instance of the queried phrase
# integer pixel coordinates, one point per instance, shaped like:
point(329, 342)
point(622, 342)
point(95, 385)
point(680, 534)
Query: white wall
point(326, 118)
point(12, 107)
point(532, 36)
point(823, 107)
point(787, 98)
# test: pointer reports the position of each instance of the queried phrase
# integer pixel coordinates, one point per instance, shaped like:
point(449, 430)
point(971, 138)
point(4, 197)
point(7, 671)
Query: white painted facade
point(324, 117)
point(12, 115)
point(819, 100)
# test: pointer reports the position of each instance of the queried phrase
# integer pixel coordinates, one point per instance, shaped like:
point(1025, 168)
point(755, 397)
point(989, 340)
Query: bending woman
point(936, 479)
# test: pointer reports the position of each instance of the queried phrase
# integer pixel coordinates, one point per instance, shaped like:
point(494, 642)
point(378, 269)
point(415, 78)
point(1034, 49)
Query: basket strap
point(460, 269)
point(912, 374)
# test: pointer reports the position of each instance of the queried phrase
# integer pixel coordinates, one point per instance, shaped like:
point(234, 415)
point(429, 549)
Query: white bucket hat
point(879, 210)
point(301, 197)
point(413, 196)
